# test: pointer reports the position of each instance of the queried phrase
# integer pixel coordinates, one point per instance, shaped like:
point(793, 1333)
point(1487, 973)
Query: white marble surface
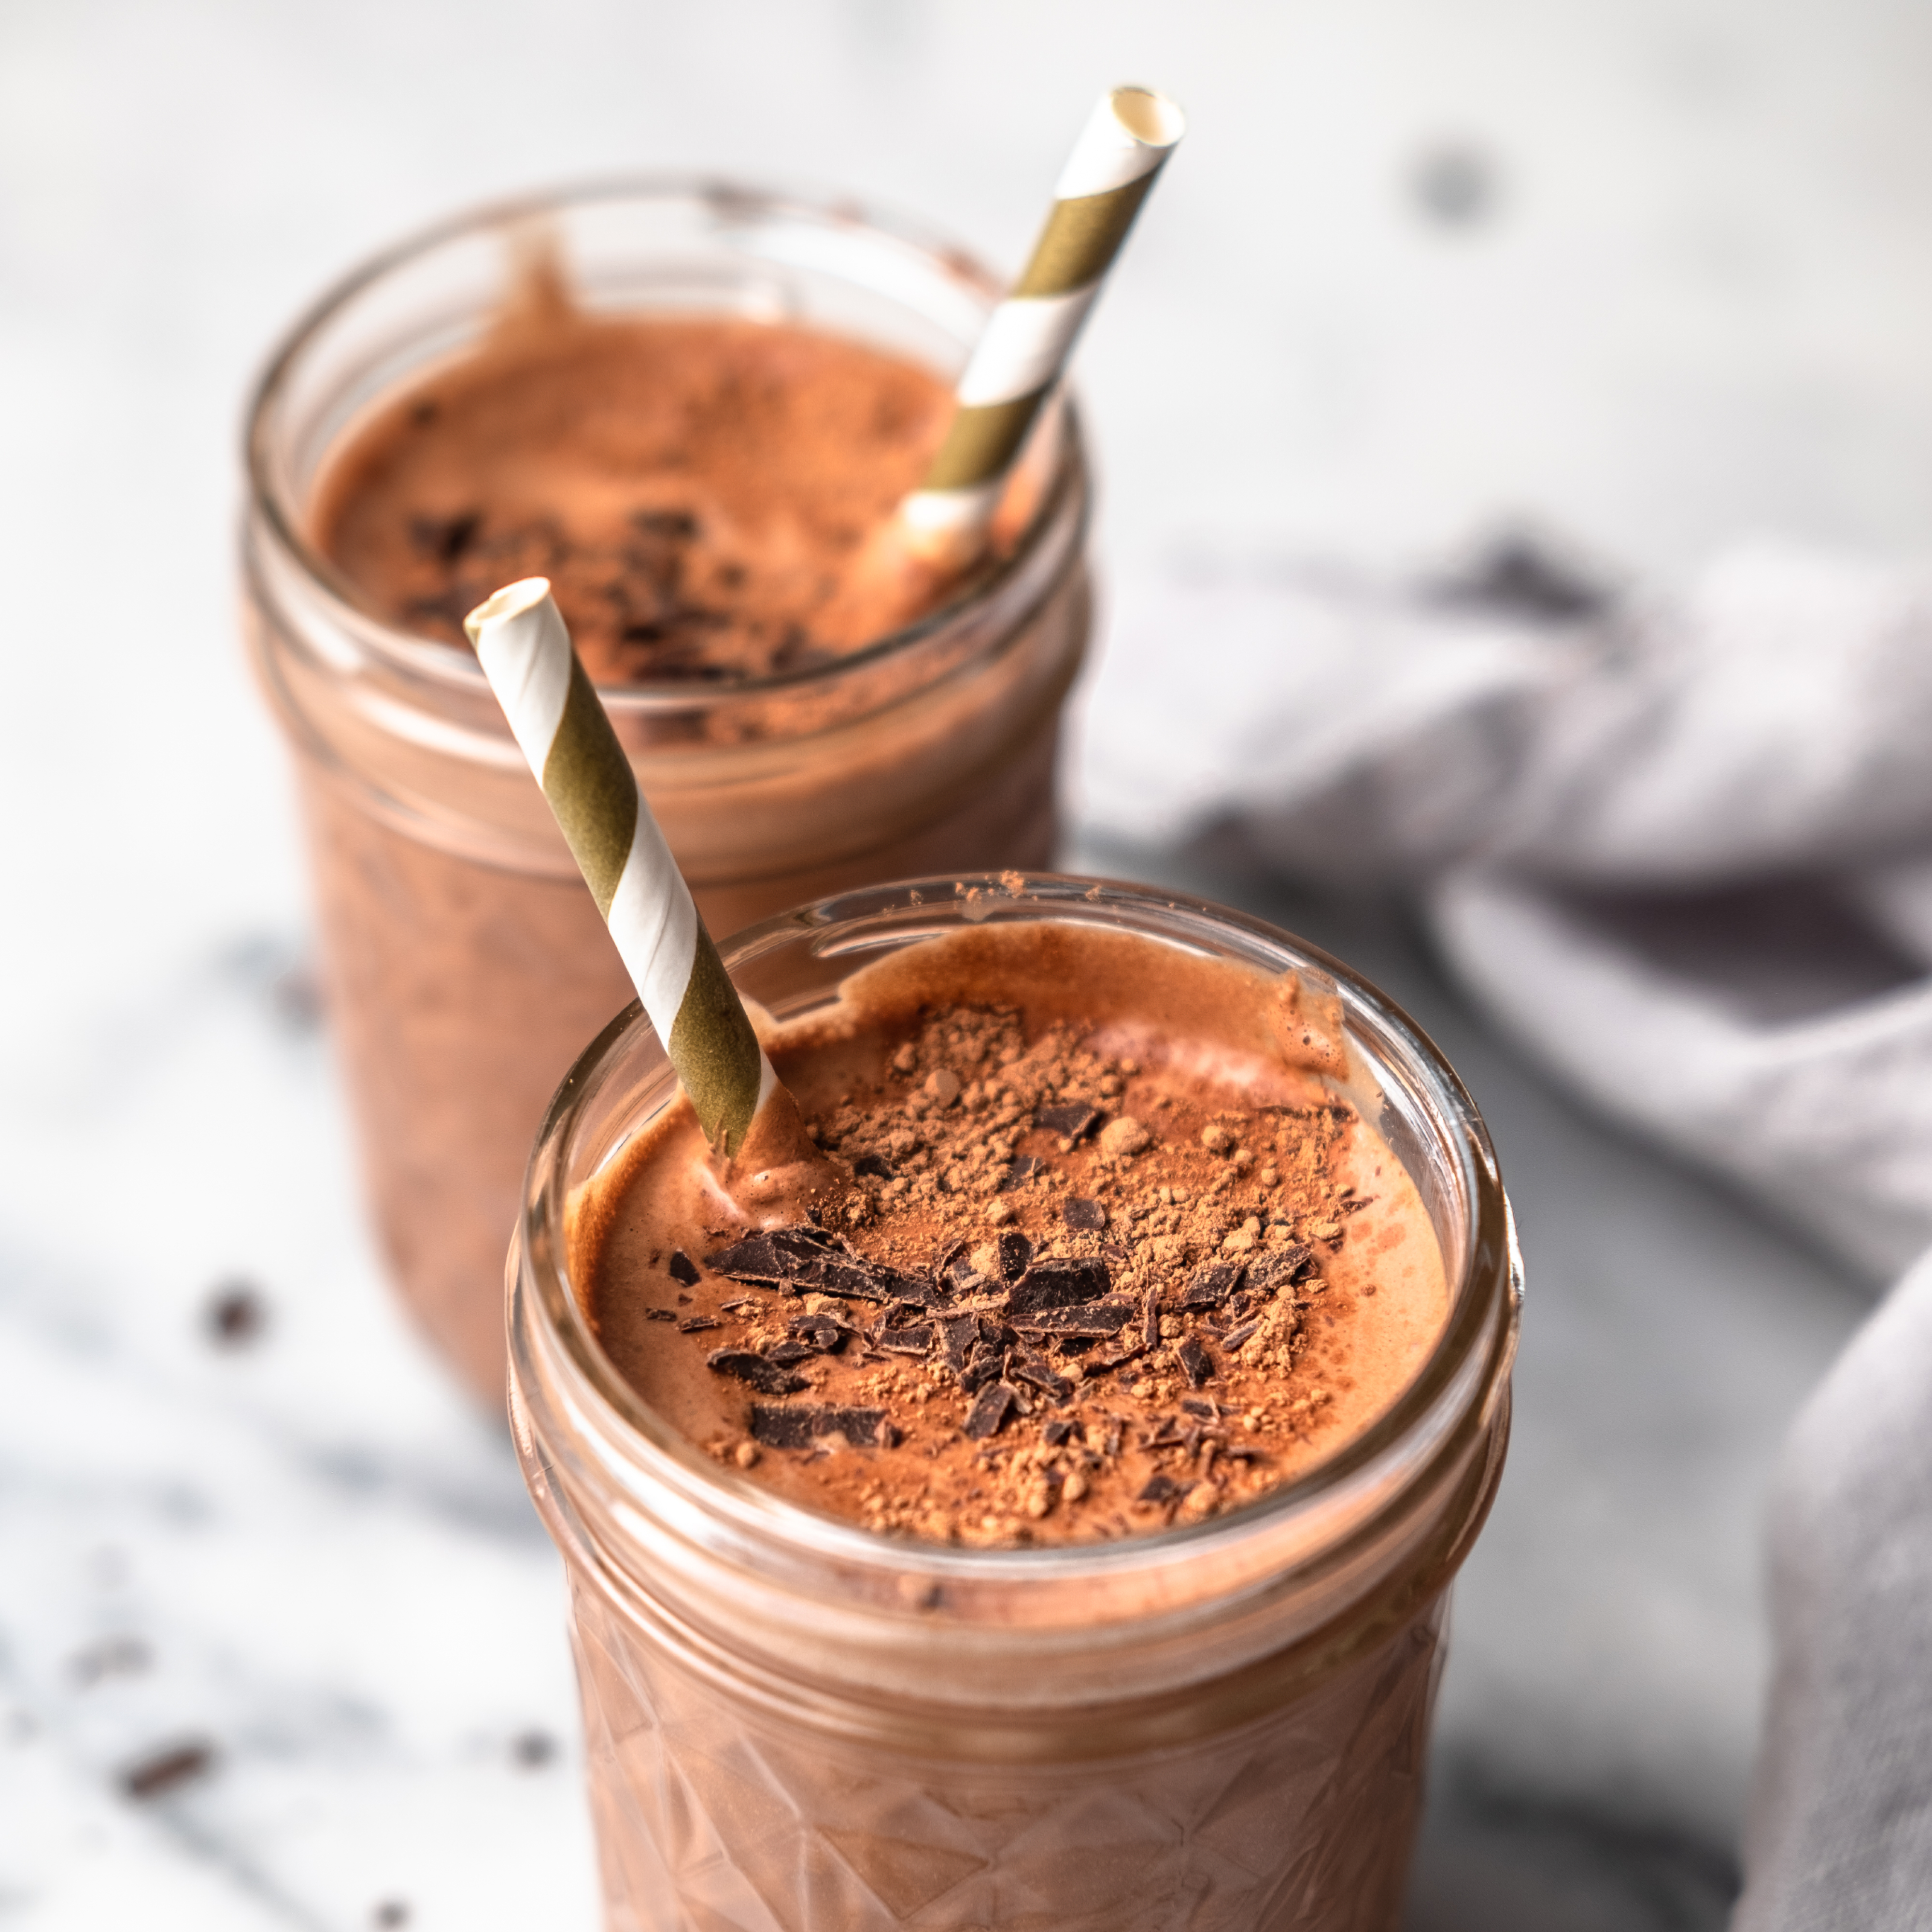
point(1687, 299)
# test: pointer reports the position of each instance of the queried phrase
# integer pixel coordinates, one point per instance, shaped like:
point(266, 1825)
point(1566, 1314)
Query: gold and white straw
point(566, 734)
point(1029, 336)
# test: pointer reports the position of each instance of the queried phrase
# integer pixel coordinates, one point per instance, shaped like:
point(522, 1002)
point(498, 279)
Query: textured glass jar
point(465, 964)
point(795, 1725)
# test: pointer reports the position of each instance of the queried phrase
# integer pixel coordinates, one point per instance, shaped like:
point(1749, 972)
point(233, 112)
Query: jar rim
point(1452, 1396)
point(446, 663)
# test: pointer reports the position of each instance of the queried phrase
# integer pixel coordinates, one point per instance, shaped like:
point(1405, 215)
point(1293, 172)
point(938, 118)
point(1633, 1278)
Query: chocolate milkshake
point(1052, 1524)
point(685, 407)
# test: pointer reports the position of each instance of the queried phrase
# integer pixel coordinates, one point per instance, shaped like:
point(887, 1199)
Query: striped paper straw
point(565, 733)
point(1029, 336)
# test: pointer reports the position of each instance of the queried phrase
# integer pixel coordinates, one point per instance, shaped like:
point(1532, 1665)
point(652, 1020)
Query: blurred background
point(280, 1643)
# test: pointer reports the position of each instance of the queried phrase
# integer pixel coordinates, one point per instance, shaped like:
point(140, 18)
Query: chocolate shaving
point(1069, 1122)
point(767, 1377)
point(1083, 1215)
point(1150, 1319)
point(916, 1340)
point(989, 1412)
point(958, 1335)
point(693, 1324)
point(807, 1257)
point(1053, 1433)
point(683, 1269)
point(797, 1425)
point(1206, 1410)
point(823, 1334)
point(789, 1355)
point(660, 1315)
point(1093, 1318)
point(1059, 1284)
point(1024, 1366)
point(1196, 1360)
point(1281, 1267)
point(1015, 1251)
point(1235, 1337)
point(1208, 1287)
point(1020, 1170)
point(1163, 1489)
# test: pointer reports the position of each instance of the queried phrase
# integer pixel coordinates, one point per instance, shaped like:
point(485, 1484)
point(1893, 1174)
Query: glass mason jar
point(796, 1725)
point(464, 962)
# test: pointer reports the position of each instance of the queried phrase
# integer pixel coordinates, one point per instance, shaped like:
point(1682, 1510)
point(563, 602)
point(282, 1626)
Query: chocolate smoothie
point(698, 493)
point(1125, 1265)
point(1103, 1267)
point(698, 485)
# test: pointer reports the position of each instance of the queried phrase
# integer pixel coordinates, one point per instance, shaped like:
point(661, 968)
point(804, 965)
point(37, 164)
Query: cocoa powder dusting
point(697, 492)
point(1068, 1297)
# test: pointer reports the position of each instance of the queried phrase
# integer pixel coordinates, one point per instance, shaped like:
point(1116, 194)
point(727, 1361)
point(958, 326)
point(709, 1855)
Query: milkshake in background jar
point(1056, 1529)
point(463, 963)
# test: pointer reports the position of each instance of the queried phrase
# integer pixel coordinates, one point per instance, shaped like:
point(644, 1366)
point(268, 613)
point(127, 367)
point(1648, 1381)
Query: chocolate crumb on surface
point(165, 1771)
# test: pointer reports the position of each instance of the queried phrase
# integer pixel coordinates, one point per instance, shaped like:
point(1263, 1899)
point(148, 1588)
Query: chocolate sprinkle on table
point(153, 1776)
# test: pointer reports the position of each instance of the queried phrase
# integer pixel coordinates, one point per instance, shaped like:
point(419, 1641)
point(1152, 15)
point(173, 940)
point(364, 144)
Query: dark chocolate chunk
point(693, 1324)
point(989, 1412)
point(1281, 1267)
point(1024, 1365)
point(1069, 1122)
point(767, 1377)
point(660, 1315)
point(1206, 1410)
point(915, 1340)
point(874, 1164)
point(797, 1425)
point(1150, 1318)
point(1210, 1285)
point(164, 1770)
point(1196, 1360)
point(1084, 1216)
point(1059, 1284)
point(1235, 1337)
point(1053, 1433)
point(1020, 1171)
point(789, 1355)
point(1168, 1434)
point(1015, 1251)
point(683, 1268)
point(958, 1335)
point(1163, 1489)
point(1100, 1365)
point(807, 1257)
point(1089, 1318)
point(823, 1334)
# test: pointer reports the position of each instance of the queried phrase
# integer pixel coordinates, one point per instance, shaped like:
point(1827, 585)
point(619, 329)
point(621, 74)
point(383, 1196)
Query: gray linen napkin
point(1681, 847)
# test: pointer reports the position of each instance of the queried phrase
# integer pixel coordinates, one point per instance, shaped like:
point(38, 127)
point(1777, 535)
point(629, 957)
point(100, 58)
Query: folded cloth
point(1681, 846)
point(1840, 1830)
point(1703, 824)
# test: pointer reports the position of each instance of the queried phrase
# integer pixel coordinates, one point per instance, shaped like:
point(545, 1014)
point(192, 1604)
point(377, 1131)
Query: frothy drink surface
point(1115, 1254)
point(697, 491)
